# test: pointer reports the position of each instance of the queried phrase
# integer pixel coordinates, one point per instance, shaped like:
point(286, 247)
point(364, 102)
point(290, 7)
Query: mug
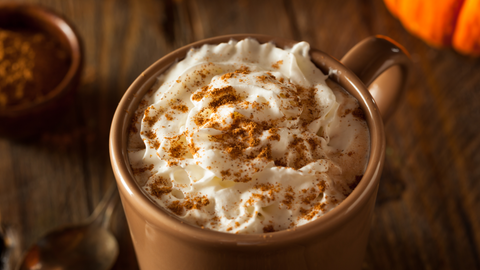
point(336, 240)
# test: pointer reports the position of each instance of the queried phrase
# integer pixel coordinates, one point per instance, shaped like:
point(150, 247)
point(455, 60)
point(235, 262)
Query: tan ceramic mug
point(335, 241)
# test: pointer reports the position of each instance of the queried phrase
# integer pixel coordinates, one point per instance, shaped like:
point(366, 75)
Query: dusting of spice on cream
point(243, 137)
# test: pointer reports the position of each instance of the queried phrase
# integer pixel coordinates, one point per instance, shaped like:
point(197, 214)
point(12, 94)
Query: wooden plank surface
point(428, 209)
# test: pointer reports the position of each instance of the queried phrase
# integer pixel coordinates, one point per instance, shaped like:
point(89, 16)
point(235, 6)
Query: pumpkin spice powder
point(31, 65)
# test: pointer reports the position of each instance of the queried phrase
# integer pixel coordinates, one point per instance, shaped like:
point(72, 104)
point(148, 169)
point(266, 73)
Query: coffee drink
point(243, 137)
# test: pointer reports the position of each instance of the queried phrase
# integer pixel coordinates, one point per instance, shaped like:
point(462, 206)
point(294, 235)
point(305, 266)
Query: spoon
point(9, 248)
point(89, 245)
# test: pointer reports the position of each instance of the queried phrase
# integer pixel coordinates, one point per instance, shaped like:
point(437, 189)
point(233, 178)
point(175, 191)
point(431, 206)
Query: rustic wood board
point(428, 209)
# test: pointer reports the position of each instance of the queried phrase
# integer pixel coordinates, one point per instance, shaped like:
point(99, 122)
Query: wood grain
point(427, 214)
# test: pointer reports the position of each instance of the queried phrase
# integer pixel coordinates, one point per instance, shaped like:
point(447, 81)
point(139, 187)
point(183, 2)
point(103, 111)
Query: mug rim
point(174, 226)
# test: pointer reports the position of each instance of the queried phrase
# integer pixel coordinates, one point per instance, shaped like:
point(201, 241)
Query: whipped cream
point(243, 137)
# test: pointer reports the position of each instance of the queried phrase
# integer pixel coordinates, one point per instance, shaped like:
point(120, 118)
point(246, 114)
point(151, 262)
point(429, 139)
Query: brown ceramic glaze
point(335, 241)
point(27, 119)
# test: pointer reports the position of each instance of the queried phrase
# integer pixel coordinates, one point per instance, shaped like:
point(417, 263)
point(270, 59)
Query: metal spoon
point(89, 245)
point(9, 248)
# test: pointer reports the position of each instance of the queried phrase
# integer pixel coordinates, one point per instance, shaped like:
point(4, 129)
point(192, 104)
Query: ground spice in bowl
point(31, 65)
point(41, 61)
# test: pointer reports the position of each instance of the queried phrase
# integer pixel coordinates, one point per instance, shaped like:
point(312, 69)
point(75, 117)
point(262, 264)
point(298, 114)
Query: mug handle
point(383, 66)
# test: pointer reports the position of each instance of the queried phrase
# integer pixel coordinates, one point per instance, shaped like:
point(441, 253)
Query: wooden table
point(427, 214)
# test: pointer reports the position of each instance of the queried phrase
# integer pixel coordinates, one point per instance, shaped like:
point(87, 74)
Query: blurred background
point(427, 214)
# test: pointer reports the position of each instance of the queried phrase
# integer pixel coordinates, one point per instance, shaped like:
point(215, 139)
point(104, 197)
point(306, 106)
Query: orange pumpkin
point(441, 23)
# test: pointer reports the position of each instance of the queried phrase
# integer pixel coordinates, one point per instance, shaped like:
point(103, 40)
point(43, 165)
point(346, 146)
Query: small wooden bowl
point(29, 118)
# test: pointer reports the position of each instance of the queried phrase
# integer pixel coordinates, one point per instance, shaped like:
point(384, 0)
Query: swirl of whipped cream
point(243, 137)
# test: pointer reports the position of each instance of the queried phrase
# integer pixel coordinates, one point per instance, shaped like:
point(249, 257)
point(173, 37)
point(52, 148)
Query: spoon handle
point(9, 247)
point(104, 210)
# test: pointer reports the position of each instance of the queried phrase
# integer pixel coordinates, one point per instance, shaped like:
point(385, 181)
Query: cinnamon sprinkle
point(149, 119)
point(359, 113)
point(177, 148)
point(268, 229)
point(243, 70)
point(289, 197)
point(195, 203)
point(188, 204)
point(143, 169)
point(176, 207)
point(222, 96)
point(277, 64)
point(199, 94)
point(158, 188)
point(181, 107)
point(309, 214)
point(266, 152)
point(322, 186)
